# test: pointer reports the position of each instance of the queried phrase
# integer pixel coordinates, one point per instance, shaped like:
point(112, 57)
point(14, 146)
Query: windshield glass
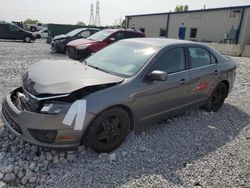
point(101, 35)
point(122, 58)
point(74, 32)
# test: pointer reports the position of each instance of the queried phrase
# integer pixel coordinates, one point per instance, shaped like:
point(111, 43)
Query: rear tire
point(27, 39)
point(217, 98)
point(108, 130)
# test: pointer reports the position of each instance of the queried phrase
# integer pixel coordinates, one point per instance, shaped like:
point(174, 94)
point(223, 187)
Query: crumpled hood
point(60, 37)
point(79, 42)
point(63, 76)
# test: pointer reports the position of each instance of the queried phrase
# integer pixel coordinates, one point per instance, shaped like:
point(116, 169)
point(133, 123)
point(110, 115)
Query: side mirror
point(158, 75)
point(110, 40)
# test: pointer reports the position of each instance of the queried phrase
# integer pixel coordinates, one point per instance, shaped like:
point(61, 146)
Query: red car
point(82, 48)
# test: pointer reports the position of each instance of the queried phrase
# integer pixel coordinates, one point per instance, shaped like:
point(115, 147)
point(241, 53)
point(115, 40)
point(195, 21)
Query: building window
point(234, 12)
point(193, 32)
point(142, 30)
point(163, 32)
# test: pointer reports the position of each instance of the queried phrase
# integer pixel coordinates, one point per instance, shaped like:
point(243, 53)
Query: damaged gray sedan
point(64, 103)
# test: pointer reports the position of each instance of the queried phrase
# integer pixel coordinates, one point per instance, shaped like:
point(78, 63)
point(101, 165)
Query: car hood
point(60, 37)
point(63, 77)
point(79, 42)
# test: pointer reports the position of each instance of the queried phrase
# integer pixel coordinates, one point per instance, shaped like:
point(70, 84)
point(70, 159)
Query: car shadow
point(13, 41)
point(159, 150)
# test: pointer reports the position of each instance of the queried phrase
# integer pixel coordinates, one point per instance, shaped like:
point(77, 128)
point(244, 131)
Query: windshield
point(122, 58)
point(101, 35)
point(74, 32)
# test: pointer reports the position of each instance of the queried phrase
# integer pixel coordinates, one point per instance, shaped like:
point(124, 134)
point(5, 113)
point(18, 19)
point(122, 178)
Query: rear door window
point(132, 35)
point(119, 36)
point(85, 34)
point(13, 28)
point(199, 57)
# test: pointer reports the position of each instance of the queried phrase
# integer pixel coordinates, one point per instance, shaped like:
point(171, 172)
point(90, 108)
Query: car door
point(15, 32)
point(157, 98)
point(203, 72)
point(3, 31)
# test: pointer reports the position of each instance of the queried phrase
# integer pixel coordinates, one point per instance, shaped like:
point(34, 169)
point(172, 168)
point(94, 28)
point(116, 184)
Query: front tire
point(217, 98)
point(109, 130)
point(33, 29)
point(27, 39)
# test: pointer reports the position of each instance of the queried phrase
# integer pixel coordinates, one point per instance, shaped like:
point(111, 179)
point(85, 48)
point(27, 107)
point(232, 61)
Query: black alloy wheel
point(217, 98)
point(109, 130)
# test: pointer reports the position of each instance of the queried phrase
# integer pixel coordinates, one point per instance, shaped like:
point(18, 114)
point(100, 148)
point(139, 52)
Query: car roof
point(159, 42)
point(85, 28)
point(126, 30)
point(97, 29)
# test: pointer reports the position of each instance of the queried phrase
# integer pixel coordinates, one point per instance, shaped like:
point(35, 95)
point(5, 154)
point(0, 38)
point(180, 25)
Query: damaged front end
point(40, 119)
point(25, 101)
point(51, 103)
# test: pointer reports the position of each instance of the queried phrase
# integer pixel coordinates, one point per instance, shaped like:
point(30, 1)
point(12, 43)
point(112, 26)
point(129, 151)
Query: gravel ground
point(197, 149)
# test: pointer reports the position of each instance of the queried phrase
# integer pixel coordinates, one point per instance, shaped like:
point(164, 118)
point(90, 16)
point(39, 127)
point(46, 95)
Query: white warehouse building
point(224, 25)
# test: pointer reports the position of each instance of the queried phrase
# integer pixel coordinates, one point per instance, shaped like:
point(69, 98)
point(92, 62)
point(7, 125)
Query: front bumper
point(58, 47)
point(21, 122)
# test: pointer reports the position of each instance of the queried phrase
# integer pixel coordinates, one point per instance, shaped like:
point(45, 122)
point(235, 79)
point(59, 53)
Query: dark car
point(13, 32)
point(59, 42)
point(82, 48)
point(66, 103)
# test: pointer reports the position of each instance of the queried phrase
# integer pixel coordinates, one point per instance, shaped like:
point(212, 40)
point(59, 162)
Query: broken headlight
point(60, 40)
point(53, 107)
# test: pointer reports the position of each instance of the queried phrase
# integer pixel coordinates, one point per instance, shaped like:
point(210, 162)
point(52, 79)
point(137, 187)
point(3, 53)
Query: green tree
point(30, 21)
point(123, 25)
point(81, 23)
point(180, 8)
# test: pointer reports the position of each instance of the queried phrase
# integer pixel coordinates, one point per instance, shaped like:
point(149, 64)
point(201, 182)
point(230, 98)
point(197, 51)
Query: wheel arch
point(84, 139)
point(226, 82)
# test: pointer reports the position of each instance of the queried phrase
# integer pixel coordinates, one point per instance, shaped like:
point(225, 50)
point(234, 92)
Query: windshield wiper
point(95, 67)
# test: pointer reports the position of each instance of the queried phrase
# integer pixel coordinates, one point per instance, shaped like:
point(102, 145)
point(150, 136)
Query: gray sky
point(70, 12)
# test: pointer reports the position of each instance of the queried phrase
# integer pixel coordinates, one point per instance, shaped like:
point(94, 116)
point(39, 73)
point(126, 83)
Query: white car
point(42, 34)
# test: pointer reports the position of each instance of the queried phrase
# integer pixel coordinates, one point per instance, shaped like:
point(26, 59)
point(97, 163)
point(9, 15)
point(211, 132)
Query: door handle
point(216, 72)
point(182, 81)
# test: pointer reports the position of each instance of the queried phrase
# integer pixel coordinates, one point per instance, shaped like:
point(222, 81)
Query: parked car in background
point(42, 33)
point(12, 32)
point(65, 103)
point(36, 27)
point(82, 48)
point(59, 42)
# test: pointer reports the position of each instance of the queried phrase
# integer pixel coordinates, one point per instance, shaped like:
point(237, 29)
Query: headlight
point(82, 47)
point(53, 108)
point(60, 40)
